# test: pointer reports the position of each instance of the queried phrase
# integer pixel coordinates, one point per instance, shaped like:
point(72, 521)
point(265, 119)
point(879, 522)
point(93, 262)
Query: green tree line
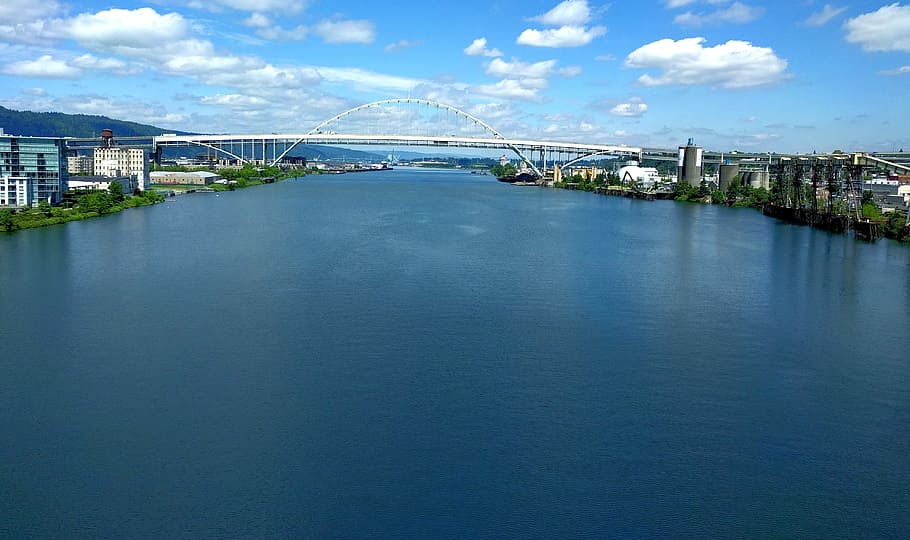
point(54, 124)
point(86, 205)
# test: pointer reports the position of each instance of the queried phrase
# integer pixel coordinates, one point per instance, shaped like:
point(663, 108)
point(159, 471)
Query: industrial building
point(644, 177)
point(195, 178)
point(115, 161)
point(102, 183)
point(32, 169)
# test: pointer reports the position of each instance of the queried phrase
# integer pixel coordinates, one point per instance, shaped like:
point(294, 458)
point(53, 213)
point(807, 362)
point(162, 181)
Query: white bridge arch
point(257, 147)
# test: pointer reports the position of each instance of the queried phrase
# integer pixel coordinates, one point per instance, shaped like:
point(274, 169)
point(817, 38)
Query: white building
point(81, 164)
point(904, 192)
point(118, 161)
point(645, 177)
point(15, 191)
point(194, 178)
point(103, 183)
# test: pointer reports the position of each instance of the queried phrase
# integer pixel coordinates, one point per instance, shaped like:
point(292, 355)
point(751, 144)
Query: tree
point(500, 170)
point(97, 201)
point(734, 188)
point(758, 197)
point(870, 211)
point(45, 208)
point(7, 222)
point(115, 188)
point(683, 191)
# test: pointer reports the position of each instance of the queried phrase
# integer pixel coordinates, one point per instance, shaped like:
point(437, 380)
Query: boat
point(516, 178)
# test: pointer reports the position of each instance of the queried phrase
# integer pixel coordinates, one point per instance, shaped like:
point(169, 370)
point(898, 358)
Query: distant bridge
point(377, 122)
point(272, 148)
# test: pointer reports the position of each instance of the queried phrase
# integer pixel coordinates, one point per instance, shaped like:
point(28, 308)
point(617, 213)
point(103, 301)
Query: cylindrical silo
point(727, 173)
point(756, 179)
point(690, 164)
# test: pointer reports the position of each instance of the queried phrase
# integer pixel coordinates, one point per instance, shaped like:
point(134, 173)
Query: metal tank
point(689, 166)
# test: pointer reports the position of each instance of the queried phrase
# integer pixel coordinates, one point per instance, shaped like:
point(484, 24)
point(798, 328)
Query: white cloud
point(570, 17)
point(284, 6)
point(734, 64)
point(567, 13)
point(124, 30)
point(509, 89)
point(204, 61)
point(522, 80)
point(111, 30)
point(887, 29)
point(565, 36)
point(136, 110)
point(44, 67)
point(35, 91)
point(351, 31)
point(400, 45)
point(367, 80)
point(673, 4)
point(257, 20)
point(277, 33)
point(735, 13)
point(521, 70)
point(634, 107)
point(24, 11)
point(822, 17)
point(114, 65)
point(235, 101)
point(478, 47)
point(263, 79)
point(903, 70)
point(489, 112)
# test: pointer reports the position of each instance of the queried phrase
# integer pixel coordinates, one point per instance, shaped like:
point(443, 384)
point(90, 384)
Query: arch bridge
point(385, 123)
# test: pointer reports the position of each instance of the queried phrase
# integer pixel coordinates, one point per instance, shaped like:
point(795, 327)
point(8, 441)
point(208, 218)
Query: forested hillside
point(27, 123)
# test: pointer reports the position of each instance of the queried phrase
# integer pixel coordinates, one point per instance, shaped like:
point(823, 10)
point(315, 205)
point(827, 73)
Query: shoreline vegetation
point(83, 204)
point(870, 224)
point(86, 204)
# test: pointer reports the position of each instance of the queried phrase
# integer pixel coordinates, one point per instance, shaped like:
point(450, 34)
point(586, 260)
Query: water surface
point(435, 354)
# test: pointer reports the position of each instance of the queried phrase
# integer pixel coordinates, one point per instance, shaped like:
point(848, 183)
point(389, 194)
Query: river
point(433, 354)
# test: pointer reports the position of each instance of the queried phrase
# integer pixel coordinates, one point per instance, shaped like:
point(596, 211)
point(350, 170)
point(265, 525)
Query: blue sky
point(797, 76)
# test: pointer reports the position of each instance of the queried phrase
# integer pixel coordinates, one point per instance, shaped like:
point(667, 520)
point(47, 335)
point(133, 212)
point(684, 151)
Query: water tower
point(107, 138)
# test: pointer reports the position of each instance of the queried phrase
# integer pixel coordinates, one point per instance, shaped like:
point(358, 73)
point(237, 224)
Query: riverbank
point(88, 205)
point(889, 226)
point(98, 203)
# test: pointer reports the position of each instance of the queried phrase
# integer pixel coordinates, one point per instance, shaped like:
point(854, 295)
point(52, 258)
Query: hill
point(54, 124)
